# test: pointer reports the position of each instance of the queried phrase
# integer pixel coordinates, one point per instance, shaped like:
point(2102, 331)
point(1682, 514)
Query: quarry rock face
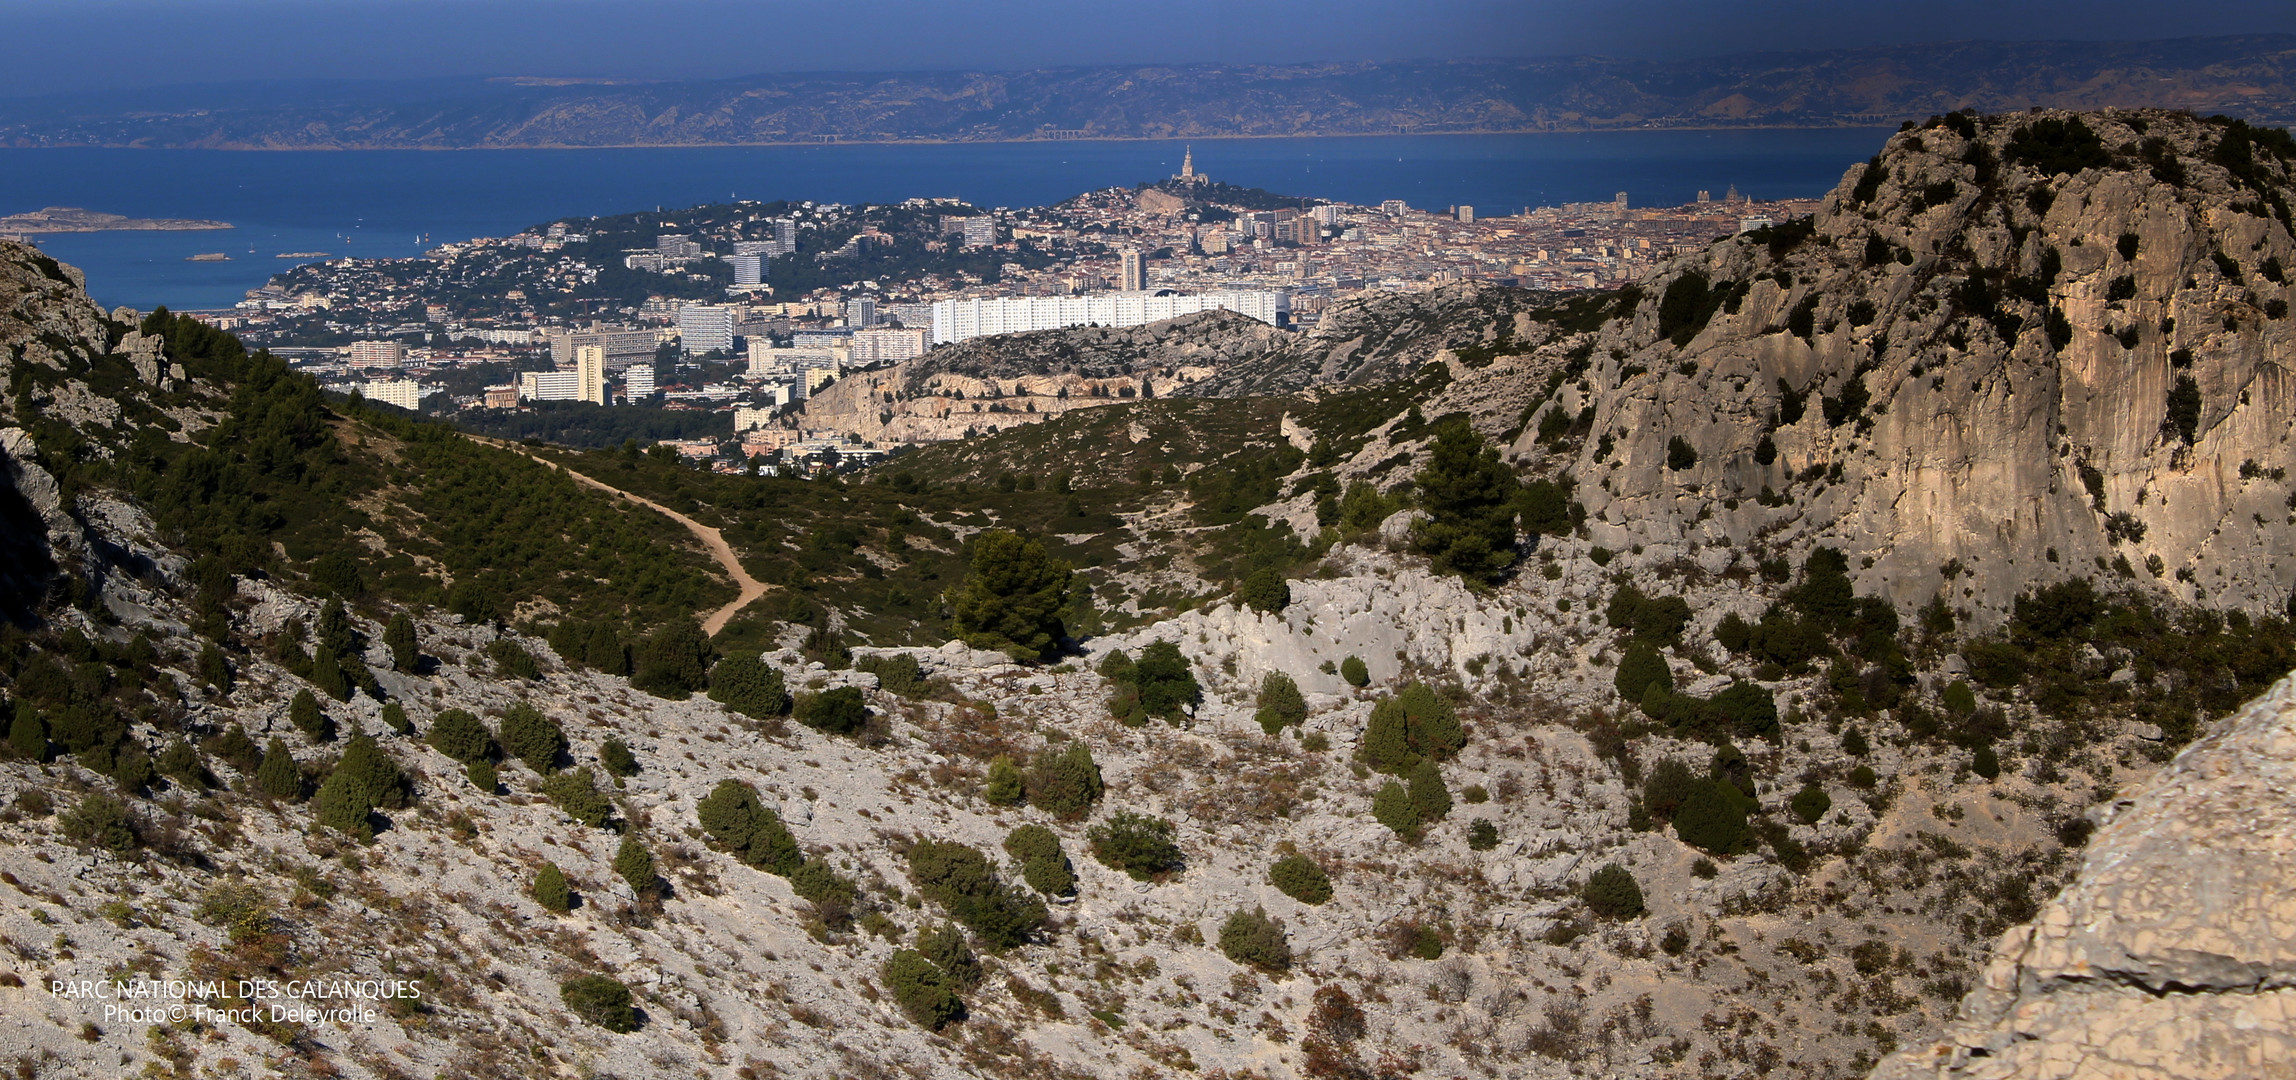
point(2005, 371)
point(2173, 953)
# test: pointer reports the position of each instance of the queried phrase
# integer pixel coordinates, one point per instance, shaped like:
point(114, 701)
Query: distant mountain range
point(2252, 77)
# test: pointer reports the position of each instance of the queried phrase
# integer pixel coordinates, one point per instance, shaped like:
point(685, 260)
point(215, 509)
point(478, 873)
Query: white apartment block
point(638, 381)
point(549, 386)
point(886, 345)
point(958, 320)
point(388, 354)
point(705, 328)
point(404, 393)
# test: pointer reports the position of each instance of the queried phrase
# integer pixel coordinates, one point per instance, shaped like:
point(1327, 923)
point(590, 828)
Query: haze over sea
point(378, 203)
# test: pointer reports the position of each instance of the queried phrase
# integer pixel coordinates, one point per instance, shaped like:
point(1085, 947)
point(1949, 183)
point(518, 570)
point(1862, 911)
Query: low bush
point(600, 1000)
point(576, 794)
point(1043, 864)
point(512, 659)
point(922, 990)
point(1280, 703)
point(1006, 785)
point(459, 735)
point(1392, 807)
point(963, 880)
point(103, 822)
point(1482, 835)
point(1253, 939)
point(945, 946)
point(1064, 783)
point(1301, 878)
point(1811, 803)
point(615, 755)
point(838, 712)
point(749, 686)
point(1713, 818)
point(1352, 670)
point(1612, 893)
point(735, 820)
point(634, 864)
point(533, 738)
point(1137, 844)
point(551, 891)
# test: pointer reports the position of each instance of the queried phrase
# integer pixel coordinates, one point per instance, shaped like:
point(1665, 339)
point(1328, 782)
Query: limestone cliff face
point(2173, 954)
point(2039, 345)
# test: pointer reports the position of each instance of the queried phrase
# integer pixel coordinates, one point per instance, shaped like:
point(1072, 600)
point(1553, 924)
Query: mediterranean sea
point(392, 203)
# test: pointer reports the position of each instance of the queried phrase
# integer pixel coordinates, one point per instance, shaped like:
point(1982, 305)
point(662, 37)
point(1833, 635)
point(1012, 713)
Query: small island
point(72, 219)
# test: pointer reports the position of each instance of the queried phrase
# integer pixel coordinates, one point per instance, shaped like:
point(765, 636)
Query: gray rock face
point(2174, 951)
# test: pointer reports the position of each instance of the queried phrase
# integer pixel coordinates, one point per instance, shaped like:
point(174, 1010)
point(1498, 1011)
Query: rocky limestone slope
point(2173, 953)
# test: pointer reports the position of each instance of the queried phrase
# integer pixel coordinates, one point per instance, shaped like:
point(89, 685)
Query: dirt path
point(714, 541)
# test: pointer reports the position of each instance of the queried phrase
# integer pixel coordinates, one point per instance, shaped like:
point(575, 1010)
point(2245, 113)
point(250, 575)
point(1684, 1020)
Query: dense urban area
point(719, 321)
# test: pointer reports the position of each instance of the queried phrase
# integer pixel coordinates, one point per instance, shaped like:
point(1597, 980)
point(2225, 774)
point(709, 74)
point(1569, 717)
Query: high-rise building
point(785, 235)
point(549, 385)
point(623, 347)
point(704, 328)
point(748, 271)
point(677, 247)
point(366, 354)
point(1132, 275)
point(638, 382)
point(1467, 215)
point(590, 374)
point(404, 393)
point(888, 344)
point(861, 312)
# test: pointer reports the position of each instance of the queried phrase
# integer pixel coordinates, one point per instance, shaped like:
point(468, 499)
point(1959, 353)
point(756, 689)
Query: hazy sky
point(75, 45)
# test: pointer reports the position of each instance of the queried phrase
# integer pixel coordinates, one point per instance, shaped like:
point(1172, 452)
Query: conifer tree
point(634, 864)
point(1012, 597)
point(399, 635)
point(551, 890)
point(303, 710)
point(28, 734)
point(1469, 496)
point(279, 777)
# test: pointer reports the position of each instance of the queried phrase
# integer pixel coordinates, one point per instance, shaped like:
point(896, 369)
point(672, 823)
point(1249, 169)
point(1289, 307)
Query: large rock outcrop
point(2173, 954)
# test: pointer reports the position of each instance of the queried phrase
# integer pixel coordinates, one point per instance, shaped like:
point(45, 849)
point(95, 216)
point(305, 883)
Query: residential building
point(549, 385)
point(747, 419)
point(1132, 276)
point(677, 247)
point(638, 382)
point(861, 312)
point(404, 393)
point(705, 328)
point(958, 320)
point(748, 271)
point(1466, 214)
point(886, 344)
point(590, 374)
point(623, 346)
point(378, 354)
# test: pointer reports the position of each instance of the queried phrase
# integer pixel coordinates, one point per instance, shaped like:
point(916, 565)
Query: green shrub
point(1482, 835)
point(1416, 723)
point(634, 864)
point(1137, 844)
point(945, 946)
point(1301, 878)
point(749, 686)
point(483, 775)
point(459, 735)
point(1064, 783)
point(1469, 496)
point(1854, 743)
point(922, 990)
point(1117, 667)
point(734, 819)
point(1393, 808)
point(600, 1000)
point(615, 755)
point(840, 711)
point(179, 762)
point(898, 674)
point(1984, 762)
point(1640, 669)
point(365, 780)
point(1960, 700)
point(532, 738)
point(395, 718)
point(1863, 778)
point(1012, 597)
point(1712, 818)
point(1280, 703)
point(1664, 790)
point(1811, 803)
point(28, 734)
point(1043, 864)
point(304, 711)
point(1612, 893)
point(399, 636)
point(963, 880)
point(1006, 785)
point(576, 793)
point(101, 821)
point(1352, 670)
point(1429, 797)
point(674, 661)
point(833, 895)
point(278, 777)
point(1253, 939)
point(512, 659)
point(1166, 682)
point(1264, 590)
point(551, 891)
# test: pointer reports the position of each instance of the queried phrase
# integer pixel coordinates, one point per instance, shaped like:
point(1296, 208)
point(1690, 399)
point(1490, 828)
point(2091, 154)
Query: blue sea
point(396, 203)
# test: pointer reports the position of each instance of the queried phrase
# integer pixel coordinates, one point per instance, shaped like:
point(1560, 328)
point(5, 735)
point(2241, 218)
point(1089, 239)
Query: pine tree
point(399, 635)
point(634, 864)
point(304, 712)
point(336, 634)
point(551, 890)
point(1004, 787)
point(214, 667)
point(1469, 496)
point(1428, 795)
point(532, 738)
point(749, 686)
point(674, 661)
point(1280, 703)
point(1386, 745)
point(1392, 807)
point(1012, 597)
point(327, 674)
point(279, 777)
point(27, 734)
